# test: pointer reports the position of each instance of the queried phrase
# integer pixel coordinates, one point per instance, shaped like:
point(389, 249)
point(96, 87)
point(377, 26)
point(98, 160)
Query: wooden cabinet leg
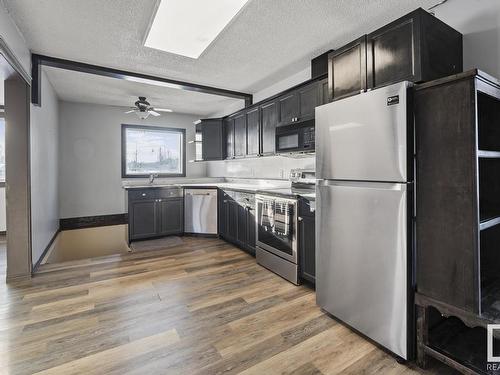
point(422, 335)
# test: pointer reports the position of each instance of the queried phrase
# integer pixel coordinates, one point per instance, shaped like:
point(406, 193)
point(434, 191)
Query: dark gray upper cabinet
point(323, 91)
point(347, 70)
point(308, 100)
point(269, 120)
point(229, 136)
point(171, 216)
point(253, 131)
point(240, 135)
point(288, 108)
point(213, 145)
point(417, 47)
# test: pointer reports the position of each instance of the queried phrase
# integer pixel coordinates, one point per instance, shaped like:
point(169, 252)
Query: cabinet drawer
point(143, 194)
point(170, 193)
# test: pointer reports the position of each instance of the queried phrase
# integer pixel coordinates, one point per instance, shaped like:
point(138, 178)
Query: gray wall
point(275, 167)
point(90, 180)
point(479, 21)
point(44, 170)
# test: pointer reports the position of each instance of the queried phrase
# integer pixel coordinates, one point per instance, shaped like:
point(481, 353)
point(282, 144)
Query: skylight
point(187, 27)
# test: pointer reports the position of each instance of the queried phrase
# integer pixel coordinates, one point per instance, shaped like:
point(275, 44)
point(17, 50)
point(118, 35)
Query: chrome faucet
point(152, 177)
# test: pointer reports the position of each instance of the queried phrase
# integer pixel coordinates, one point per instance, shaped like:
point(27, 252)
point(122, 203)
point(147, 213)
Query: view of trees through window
point(152, 150)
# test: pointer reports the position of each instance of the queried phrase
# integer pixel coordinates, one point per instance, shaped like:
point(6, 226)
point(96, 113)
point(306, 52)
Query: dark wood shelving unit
point(488, 154)
point(457, 122)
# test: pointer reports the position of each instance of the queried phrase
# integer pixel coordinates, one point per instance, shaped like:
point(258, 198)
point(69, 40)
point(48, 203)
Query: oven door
point(276, 226)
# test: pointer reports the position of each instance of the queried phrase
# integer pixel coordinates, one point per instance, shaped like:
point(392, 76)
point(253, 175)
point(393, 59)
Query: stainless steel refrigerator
point(364, 167)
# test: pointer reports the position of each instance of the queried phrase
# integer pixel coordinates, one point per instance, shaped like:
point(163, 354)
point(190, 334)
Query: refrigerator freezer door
point(363, 138)
point(361, 260)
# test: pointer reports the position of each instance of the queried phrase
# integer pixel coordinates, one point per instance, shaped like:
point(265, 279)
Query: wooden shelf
point(488, 220)
point(488, 154)
point(463, 345)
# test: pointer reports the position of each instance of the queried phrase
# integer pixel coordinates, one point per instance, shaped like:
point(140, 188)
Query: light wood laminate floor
point(203, 307)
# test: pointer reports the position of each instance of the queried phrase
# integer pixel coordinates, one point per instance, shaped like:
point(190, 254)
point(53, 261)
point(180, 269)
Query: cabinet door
point(308, 101)
point(211, 131)
point(288, 108)
point(171, 216)
point(269, 120)
point(307, 248)
point(232, 220)
point(142, 219)
point(253, 131)
point(251, 229)
point(323, 91)
point(391, 53)
point(347, 70)
point(240, 136)
point(229, 127)
point(242, 225)
point(222, 215)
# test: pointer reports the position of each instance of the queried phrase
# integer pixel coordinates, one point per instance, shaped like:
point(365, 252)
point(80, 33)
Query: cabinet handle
point(143, 194)
point(300, 218)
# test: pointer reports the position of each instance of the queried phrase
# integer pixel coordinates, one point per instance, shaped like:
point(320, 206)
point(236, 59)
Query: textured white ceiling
point(269, 39)
point(87, 88)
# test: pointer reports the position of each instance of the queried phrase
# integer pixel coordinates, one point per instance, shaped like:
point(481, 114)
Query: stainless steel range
point(277, 222)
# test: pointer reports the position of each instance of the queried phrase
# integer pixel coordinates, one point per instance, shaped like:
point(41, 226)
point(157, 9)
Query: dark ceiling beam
point(37, 61)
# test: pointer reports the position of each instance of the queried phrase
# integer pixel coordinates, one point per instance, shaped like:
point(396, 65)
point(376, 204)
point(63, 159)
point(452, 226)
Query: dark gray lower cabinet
point(155, 213)
point(171, 215)
point(306, 239)
point(142, 219)
point(237, 219)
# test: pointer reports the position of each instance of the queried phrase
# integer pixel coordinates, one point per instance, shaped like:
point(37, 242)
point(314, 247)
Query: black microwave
point(298, 137)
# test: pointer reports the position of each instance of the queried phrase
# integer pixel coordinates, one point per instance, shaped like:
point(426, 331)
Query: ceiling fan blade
point(131, 111)
point(154, 113)
point(163, 110)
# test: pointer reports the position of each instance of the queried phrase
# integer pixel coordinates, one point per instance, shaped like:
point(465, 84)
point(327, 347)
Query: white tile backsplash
point(275, 167)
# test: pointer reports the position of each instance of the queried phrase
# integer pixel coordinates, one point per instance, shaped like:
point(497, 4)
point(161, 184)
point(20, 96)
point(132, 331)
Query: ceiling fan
point(143, 109)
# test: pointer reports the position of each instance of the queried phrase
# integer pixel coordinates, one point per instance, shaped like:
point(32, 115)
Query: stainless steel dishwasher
point(200, 211)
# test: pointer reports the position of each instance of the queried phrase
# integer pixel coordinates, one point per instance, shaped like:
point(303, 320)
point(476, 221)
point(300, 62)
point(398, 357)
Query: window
point(150, 150)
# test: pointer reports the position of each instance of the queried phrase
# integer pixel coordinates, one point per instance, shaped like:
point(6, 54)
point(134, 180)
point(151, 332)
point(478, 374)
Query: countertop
point(269, 187)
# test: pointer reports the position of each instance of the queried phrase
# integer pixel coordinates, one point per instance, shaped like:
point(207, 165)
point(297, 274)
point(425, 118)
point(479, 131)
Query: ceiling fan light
point(143, 115)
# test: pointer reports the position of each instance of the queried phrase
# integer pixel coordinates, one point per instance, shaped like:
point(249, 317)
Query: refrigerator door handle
point(397, 186)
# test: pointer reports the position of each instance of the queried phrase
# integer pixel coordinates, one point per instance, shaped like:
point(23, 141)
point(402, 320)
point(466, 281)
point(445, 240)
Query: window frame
point(155, 128)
